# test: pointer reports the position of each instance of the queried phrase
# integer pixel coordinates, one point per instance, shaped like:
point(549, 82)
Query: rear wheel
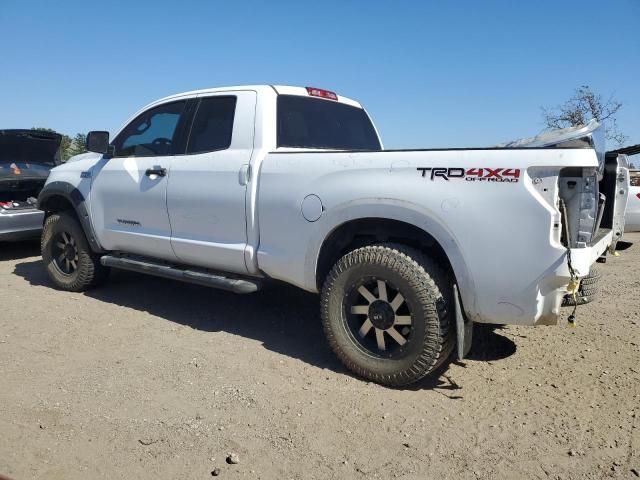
point(385, 314)
point(69, 261)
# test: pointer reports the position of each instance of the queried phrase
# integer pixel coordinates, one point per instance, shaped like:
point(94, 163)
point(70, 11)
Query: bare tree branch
point(584, 106)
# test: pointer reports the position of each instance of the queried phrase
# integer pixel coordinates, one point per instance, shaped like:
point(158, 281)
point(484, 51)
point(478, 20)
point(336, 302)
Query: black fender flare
point(76, 199)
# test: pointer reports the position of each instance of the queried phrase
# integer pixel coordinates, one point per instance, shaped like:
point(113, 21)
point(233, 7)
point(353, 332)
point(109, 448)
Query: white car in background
point(632, 212)
point(632, 216)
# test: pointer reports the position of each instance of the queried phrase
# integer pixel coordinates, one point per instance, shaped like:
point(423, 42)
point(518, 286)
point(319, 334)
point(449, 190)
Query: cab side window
point(151, 134)
point(212, 127)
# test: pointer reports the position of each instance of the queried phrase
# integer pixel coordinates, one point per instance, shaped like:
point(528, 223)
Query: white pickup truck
point(233, 187)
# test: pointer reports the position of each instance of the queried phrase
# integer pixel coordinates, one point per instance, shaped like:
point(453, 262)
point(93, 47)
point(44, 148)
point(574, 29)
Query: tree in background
point(68, 146)
point(77, 145)
point(584, 106)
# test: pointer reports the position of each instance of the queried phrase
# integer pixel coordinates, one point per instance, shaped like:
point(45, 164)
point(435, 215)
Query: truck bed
point(492, 210)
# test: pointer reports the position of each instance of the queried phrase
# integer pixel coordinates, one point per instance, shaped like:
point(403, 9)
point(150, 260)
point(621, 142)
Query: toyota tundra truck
point(235, 187)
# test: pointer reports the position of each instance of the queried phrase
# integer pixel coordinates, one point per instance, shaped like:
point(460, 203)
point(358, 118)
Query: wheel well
point(367, 231)
point(57, 203)
point(74, 205)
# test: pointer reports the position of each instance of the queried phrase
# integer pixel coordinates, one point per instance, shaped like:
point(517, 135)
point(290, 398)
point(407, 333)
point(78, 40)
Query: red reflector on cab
point(638, 195)
point(318, 92)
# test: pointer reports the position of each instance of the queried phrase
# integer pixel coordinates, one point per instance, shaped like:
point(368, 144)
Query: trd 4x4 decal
point(473, 174)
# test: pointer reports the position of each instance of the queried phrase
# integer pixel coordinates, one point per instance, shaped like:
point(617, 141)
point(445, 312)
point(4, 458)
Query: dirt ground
point(146, 378)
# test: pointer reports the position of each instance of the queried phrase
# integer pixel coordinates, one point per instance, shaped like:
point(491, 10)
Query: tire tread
point(90, 272)
point(425, 277)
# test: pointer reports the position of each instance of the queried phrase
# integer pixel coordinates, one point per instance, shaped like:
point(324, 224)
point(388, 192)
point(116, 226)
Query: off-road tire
point(89, 272)
point(429, 290)
point(588, 290)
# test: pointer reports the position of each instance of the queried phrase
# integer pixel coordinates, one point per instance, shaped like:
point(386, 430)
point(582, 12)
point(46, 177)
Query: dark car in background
point(26, 157)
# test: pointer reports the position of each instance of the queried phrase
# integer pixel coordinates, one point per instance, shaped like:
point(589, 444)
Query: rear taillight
point(318, 92)
point(638, 195)
point(6, 204)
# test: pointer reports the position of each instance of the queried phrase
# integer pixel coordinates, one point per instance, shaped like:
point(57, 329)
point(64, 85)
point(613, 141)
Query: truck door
point(128, 191)
point(206, 189)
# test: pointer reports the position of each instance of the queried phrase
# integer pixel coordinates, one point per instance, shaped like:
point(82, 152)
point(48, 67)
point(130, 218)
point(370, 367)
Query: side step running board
point(174, 273)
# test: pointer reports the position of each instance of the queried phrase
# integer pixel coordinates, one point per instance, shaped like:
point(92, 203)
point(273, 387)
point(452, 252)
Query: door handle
point(244, 175)
point(161, 172)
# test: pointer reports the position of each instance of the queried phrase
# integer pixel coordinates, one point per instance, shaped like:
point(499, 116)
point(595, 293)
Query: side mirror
point(98, 142)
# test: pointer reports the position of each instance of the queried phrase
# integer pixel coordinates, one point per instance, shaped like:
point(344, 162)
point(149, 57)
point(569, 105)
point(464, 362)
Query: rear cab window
point(306, 122)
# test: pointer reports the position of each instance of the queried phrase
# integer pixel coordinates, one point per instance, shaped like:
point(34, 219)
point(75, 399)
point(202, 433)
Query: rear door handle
point(161, 172)
point(244, 175)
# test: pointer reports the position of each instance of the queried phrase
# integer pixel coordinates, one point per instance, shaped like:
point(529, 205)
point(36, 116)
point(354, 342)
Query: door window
point(212, 127)
point(151, 134)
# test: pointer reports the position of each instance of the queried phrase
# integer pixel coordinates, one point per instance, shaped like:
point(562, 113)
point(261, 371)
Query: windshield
point(316, 123)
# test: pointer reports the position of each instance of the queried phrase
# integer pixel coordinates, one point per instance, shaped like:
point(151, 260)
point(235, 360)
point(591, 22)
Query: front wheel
point(385, 314)
point(69, 261)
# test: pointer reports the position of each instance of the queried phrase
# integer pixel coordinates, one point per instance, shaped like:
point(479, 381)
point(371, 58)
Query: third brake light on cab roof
point(319, 92)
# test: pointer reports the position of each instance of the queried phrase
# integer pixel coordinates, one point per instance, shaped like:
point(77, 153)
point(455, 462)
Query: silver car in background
point(26, 157)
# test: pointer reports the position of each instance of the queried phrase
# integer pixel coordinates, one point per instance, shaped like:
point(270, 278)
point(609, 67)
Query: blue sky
point(431, 74)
